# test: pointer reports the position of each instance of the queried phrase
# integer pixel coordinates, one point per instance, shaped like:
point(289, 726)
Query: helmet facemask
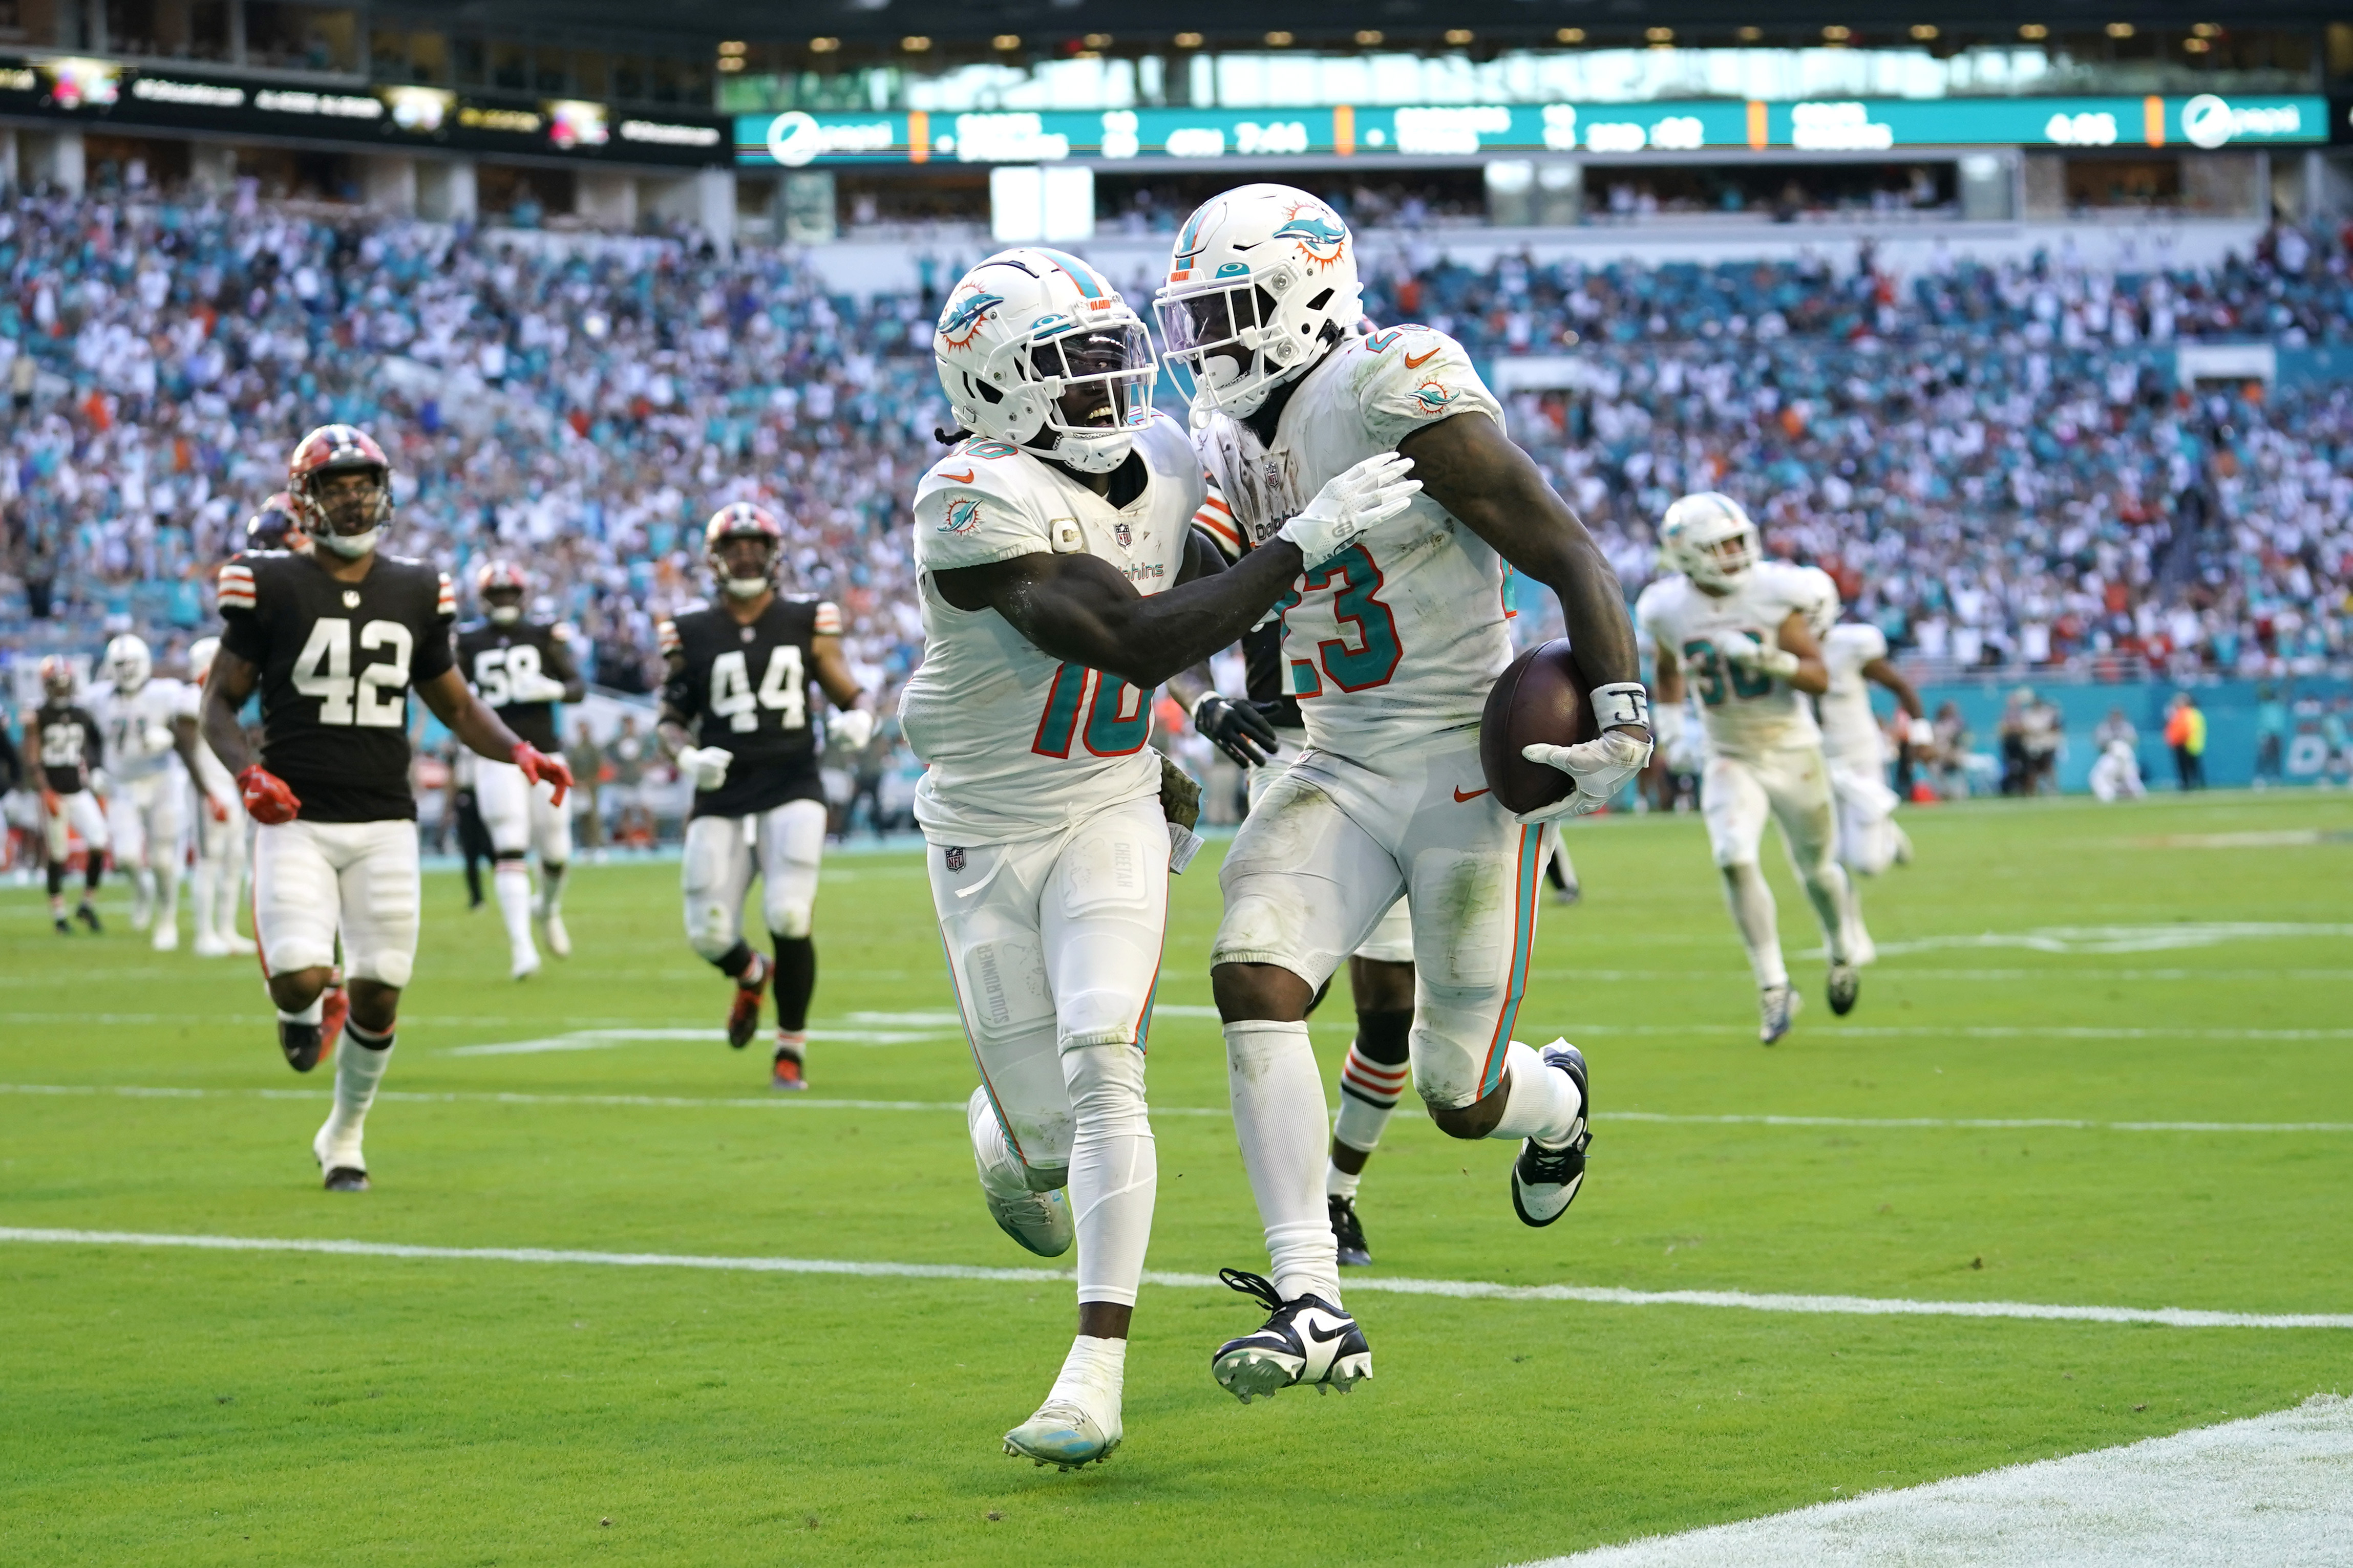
point(1096, 386)
point(345, 508)
point(1223, 339)
point(746, 564)
point(503, 605)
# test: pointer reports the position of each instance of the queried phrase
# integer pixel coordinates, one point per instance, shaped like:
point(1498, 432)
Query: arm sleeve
point(241, 631)
point(434, 652)
point(1418, 376)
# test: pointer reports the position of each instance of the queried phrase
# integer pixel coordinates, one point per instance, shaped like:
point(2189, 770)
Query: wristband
point(1622, 702)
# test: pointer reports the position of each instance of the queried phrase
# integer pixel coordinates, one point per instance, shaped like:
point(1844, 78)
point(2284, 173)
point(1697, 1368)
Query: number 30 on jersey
point(783, 689)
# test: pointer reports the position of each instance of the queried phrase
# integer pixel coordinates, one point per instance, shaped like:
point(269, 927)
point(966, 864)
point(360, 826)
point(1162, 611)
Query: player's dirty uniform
point(147, 812)
point(745, 689)
point(1041, 802)
point(1390, 650)
point(1854, 750)
point(337, 660)
point(507, 666)
point(1764, 751)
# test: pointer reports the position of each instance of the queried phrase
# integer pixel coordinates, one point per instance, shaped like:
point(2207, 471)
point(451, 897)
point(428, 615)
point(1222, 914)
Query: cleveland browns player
point(735, 719)
point(521, 670)
point(334, 637)
point(61, 750)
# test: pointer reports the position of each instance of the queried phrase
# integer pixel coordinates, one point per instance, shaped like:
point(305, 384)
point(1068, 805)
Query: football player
point(150, 730)
point(521, 670)
point(334, 638)
point(1869, 840)
point(1737, 631)
point(217, 888)
point(62, 751)
point(1391, 650)
point(735, 719)
point(1057, 565)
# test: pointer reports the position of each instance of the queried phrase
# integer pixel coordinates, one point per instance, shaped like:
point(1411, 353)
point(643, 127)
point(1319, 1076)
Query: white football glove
point(1740, 649)
point(535, 687)
point(1599, 767)
point(851, 728)
point(1350, 502)
point(1671, 727)
point(707, 766)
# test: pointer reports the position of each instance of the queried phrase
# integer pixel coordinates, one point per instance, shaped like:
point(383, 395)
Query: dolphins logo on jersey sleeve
point(963, 517)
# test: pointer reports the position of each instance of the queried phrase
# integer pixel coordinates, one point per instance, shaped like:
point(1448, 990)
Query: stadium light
point(1370, 38)
point(1189, 40)
point(1569, 36)
point(1834, 34)
point(1005, 42)
point(916, 43)
point(2033, 31)
point(2120, 29)
point(1278, 40)
point(1098, 40)
point(1923, 32)
point(1659, 37)
point(2195, 46)
point(824, 45)
point(1458, 36)
point(1749, 35)
point(2205, 30)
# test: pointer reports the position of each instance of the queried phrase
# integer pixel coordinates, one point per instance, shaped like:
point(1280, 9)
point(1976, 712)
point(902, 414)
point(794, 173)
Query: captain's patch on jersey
point(963, 516)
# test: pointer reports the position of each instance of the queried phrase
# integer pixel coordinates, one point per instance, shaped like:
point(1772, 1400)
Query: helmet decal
point(1322, 240)
point(966, 318)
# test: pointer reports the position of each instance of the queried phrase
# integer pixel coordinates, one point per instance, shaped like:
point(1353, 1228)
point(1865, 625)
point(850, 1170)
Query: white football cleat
point(559, 940)
point(526, 964)
point(1843, 987)
point(210, 944)
point(1038, 1221)
point(1066, 1434)
point(1306, 1341)
point(141, 916)
point(167, 936)
point(1776, 1006)
point(240, 946)
point(344, 1167)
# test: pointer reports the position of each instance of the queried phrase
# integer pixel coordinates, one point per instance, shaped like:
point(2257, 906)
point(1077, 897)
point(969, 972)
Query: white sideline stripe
point(606, 1040)
point(802, 1102)
point(2116, 938)
point(2276, 1489)
point(1463, 1289)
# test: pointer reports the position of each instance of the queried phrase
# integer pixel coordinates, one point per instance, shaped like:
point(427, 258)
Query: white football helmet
point(127, 663)
point(1024, 330)
point(200, 657)
point(1263, 278)
point(1709, 539)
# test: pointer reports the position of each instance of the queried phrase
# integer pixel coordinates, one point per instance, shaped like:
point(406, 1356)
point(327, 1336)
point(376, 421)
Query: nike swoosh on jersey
point(962, 479)
point(1459, 797)
point(1413, 364)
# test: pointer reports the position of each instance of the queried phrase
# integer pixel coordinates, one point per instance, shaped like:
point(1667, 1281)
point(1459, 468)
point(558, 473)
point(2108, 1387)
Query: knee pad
point(711, 928)
point(789, 917)
point(1106, 1085)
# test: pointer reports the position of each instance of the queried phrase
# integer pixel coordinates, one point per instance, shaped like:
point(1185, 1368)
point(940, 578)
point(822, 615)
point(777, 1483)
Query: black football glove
point(1237, 729)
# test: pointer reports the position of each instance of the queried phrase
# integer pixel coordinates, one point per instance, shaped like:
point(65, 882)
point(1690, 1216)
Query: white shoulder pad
point(1408, 377)
point(1865, 641)
point(1783, 586)
point(1655, 603)
point(983, 502)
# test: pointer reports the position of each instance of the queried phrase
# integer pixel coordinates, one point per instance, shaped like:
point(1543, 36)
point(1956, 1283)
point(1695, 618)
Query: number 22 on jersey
point(783, 689)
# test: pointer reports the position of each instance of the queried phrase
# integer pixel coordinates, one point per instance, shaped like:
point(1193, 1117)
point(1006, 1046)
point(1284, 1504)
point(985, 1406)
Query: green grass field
point(2055, 961)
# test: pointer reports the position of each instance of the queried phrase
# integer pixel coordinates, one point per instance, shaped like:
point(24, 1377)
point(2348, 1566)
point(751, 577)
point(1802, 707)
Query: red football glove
point(538, 766)
point(217, 807)
point(53, 803)
point(267, 798)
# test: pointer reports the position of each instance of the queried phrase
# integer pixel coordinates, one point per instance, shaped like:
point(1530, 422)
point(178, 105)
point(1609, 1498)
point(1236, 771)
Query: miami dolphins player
point(1739, 633)
point(1061, 581)
point(1391, 648)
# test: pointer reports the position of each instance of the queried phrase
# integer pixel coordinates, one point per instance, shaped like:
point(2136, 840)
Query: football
point(1538, 699)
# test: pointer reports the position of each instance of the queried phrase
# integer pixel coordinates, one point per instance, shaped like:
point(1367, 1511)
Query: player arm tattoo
point(833, 672)
point(232, 681)
point(1906, 696)
point(1081, 608)
point(454, 703)
point(1796, 637)
point(1470, 467)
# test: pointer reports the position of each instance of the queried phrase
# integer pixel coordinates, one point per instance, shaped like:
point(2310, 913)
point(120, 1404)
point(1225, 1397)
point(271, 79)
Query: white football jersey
point(1747, 713)
point(1850, 732)
point(1393, 640)
point(1015, 742)
point(138, 728)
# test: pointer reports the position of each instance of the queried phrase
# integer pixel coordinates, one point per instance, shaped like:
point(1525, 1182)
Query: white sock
point(202, 897)
point(1277, 1098)
point(1368, 1097)
point(1541, 1103)
point(551, 891)
point(315, 1012)
point(142, 890)
point(359, 1068)
point(232, 889)
point(1115, 1173)
point(1091, 1375)
point(511, 881)
point(167, 893)
point(1835, 906)
point(1751, 903)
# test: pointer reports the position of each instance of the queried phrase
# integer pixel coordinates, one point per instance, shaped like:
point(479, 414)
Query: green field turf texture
point(169, 1405)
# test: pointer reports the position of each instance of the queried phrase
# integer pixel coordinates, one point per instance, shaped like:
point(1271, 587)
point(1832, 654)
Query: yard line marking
point(802, 1102)
point(607, 1039)
point(1464, 1289)
point(2115, 939)
point(2276, 1489)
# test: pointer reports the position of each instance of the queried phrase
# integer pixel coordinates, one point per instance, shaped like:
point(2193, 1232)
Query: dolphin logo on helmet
point(964, 317)
point(1321, 239)
point(1262, 283)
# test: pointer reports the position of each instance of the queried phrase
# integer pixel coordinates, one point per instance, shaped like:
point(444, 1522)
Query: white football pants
point(785, 844)
point(1791, 787)
point(1053, 947)
point(522, 818)
point(1866, 814)
point(81, 812)
point(219, 884)
point(312, 880)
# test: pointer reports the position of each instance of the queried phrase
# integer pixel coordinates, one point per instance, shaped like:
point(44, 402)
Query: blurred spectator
point(2115, 772)
point(586, 759)
point(2272, 729)
point(2184, 732)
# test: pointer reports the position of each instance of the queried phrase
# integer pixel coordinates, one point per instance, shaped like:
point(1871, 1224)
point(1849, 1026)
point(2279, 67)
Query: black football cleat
point(347, 1179)
point(65, 926)
point(89, 917)
point(1348, 1231)
point(1305, 1341)
point(1546, 1181)
point(1845, 984)
point(744, 1012)
point(302, 1043)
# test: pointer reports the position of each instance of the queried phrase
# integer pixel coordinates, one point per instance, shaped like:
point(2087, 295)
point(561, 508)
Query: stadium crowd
point(1994, 460)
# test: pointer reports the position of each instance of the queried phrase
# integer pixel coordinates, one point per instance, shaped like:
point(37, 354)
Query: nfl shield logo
point(954, 858)
point(1126, 535)
point(351, 599)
